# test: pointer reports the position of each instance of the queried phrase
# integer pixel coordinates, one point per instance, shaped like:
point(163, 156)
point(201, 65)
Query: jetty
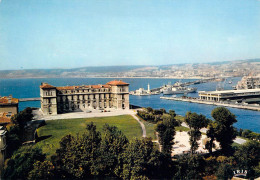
point(255, 107)
point(159, 89)
point(29, 99)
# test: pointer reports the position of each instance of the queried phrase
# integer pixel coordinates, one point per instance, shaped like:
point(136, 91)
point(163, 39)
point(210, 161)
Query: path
point(142, 125)
point(38, 115)
point(204, 130)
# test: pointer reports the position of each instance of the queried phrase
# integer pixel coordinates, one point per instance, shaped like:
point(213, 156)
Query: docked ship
point(178, 90)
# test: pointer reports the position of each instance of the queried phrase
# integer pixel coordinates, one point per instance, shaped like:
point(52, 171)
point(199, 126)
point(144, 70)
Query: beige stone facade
point(9, 104)
point(8, 108)
point(56, 100)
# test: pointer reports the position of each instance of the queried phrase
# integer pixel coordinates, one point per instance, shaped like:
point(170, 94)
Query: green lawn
point(150, 132)
point(181, 128)
point(178, 117)
point(54, 130)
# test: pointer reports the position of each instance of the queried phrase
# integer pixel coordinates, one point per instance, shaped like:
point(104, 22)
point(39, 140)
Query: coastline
point(114, 77)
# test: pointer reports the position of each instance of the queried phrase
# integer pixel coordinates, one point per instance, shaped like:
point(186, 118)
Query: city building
point(229, 94)
point(56, 100)
point(8, 108)
point(249, 82)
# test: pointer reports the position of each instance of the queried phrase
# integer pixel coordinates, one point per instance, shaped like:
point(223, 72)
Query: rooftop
point(117, 83)
point(107, 85)
point(5, 118)
point(232, 91)
point(8, 100)
point(46, 86)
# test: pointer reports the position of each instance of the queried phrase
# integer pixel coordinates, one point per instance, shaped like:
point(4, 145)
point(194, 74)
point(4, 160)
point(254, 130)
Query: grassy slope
point(56, 129)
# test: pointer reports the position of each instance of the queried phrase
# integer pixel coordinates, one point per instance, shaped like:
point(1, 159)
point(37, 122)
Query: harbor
point(177, 88)
point(247, 119)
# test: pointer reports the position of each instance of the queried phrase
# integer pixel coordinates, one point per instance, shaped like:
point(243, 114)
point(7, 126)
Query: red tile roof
point(5, 100)
point(4, 119)
point(107, 85)
point(117, 83)
point(66, 88)
point(46, 86)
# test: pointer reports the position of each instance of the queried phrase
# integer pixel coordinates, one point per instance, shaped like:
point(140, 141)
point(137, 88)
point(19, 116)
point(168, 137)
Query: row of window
point(84, 90)
point(94, 96)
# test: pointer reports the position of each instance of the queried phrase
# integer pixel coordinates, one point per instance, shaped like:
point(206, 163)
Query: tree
point(190, 167)
point(23, 117)
point(248, 156)
point(42, 170)
point(166, 133)
point(172, 113)
point(142, 161)
point(224, 131)
point(15, 130)
point(211, 135)
point(113, 144)
point(149, 109)
point(195, 123)
point(77, 156)
point(224, 171)
point(21, 163)
point(13, 139)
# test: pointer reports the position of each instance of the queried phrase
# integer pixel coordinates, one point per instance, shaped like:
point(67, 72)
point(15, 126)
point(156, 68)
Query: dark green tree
point(13, 139)
point(172, 113)
point(21, 163)
point(190, 167)
point(113, 144)
point(77, 156)
point(166, 132)
point(248, 156)
point(224, 131)
point(43, 171)
point(224, 171)
point(195, 123)
point(23, 117)
point(211, 135)
point(142, 161)
point(149, 109)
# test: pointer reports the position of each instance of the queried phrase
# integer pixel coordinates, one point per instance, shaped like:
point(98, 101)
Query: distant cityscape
point(237, 68)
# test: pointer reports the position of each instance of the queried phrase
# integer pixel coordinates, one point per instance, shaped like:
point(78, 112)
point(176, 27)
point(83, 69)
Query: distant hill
point(112, 71)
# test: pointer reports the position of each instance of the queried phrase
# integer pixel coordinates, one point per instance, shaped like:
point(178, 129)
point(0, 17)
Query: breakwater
point(188, 83)
point(196, 100)
point(29, 99)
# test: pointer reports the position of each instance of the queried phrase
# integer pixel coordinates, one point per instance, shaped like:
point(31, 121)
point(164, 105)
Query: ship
point(178, 90)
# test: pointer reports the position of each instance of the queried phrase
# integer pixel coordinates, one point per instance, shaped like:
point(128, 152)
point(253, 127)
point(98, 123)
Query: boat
point(178, 90)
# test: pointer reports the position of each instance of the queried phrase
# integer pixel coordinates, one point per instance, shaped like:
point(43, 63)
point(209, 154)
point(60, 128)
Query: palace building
point(56, 100)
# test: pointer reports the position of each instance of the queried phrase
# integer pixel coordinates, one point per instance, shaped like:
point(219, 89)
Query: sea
point(29, 88)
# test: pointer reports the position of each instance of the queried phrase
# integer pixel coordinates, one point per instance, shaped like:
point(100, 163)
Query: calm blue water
point(25, 88)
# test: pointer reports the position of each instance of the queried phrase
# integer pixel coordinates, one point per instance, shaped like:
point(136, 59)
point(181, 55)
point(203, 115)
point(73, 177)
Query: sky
point(36, 34)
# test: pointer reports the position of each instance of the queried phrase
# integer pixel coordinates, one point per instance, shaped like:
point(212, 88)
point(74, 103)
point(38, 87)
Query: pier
point(192, 83)
point(227, 104)
point(29, 99)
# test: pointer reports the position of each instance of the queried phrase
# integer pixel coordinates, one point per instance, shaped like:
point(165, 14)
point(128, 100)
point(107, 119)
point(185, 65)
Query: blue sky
point(76, 33)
